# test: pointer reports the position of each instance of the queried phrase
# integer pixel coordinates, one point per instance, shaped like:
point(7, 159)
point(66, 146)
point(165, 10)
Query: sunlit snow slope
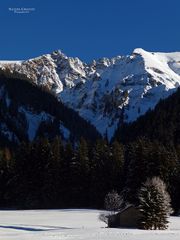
point(105, 92)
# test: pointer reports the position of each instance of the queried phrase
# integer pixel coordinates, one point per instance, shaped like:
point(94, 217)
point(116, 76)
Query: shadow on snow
point(33, 229)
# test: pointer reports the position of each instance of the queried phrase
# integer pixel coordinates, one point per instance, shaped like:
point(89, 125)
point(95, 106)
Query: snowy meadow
point(73, 224)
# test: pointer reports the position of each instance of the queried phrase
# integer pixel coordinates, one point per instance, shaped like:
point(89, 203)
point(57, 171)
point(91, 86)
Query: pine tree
point(4, 175)
point(154, 204)
point(116, 160)
point(82, 175)
point(145, 159)
point(113, 201)
point(99, 172)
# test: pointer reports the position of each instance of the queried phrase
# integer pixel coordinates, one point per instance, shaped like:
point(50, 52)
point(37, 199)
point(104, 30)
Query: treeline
point(155, 138)
point(23, 93)
point(47, 174)
point(162, 123)
point(51, 174)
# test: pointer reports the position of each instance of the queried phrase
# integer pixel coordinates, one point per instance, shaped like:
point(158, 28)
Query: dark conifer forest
point(49, 173)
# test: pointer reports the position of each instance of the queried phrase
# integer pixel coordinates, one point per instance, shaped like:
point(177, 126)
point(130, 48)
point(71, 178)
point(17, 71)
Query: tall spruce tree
point(145, 158)
point(154, 204)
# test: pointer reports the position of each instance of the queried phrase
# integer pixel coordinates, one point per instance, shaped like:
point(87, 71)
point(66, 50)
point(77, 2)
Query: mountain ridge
point(108, 91)
point(28, 112)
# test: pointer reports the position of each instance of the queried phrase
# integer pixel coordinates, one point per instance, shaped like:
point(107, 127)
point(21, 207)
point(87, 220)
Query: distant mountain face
point(105, 92)
point(21, 120)
point(158, 125)
point(28, 112)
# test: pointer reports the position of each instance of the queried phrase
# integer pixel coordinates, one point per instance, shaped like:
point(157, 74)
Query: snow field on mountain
point(106, 90)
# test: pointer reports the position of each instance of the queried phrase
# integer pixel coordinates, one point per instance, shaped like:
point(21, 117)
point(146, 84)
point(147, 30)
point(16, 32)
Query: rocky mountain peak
point(107, 91)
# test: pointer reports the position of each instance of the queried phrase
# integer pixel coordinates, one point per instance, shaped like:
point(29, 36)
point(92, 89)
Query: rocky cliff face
point(107, 91)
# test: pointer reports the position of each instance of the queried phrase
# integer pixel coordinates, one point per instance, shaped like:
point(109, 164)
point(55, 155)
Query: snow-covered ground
point(73, 224)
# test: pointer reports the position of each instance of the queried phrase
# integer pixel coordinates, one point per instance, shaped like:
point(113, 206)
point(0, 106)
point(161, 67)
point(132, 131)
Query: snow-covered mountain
point(107, 91)
point(23, 121)
point(28, 112)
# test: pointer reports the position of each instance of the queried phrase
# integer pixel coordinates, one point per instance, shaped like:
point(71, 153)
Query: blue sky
point(88, 28)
